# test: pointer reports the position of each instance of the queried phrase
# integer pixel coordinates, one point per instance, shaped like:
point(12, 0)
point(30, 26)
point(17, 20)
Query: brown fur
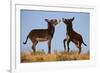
point(39, 35)
point(71, 35)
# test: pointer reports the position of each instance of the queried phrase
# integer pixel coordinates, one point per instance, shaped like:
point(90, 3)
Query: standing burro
point(40, 35)
point(71, 35)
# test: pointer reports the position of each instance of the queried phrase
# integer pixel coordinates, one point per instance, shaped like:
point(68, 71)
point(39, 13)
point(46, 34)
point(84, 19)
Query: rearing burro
point(71, 35)
point(40, 35)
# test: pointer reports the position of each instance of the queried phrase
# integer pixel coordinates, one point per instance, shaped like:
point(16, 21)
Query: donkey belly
point(42, 39)
point(74, 41)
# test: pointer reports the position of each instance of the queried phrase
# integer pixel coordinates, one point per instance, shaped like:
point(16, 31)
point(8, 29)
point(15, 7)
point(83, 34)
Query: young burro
point(71, 35)
point(40, 35)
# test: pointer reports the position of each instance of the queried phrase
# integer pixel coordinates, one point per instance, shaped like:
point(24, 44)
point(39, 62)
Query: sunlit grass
point(41, 56)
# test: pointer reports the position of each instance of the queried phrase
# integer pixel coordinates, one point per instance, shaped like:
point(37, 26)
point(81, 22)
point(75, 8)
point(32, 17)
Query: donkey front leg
point(49, 47)
point(64, 42)
point(68, 44)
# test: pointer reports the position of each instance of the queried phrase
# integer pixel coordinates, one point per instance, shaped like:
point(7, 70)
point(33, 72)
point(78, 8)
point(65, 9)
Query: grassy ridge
point(40, 56)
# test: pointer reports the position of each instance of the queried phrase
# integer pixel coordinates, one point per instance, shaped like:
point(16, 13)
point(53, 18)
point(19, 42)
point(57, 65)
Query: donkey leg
point(79, 50)
point(64, 42)
point(34, 45)
point(79, 46)
point(68, 44)
point(49, 47)
point(33, 48)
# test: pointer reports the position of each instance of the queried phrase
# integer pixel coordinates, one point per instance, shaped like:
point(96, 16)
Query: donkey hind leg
point(79, 46)
point(33, 46)
point(68, 44)
point(79, 50)
point(64, 42)
point(49, 47)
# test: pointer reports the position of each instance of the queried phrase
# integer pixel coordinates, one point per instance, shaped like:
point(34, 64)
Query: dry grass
point(40, 56)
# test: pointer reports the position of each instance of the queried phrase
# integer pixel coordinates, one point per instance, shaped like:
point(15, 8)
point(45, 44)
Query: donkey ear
point(46, 20)
point(72, 18)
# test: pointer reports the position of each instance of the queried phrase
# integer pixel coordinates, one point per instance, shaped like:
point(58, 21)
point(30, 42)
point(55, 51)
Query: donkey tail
point(84, 44)
point(26, 40)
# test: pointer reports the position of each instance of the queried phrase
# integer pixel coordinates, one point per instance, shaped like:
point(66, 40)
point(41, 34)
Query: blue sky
point(31, 19)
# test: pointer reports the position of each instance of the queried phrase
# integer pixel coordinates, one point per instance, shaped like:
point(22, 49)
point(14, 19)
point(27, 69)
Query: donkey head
point(68, 21)
point(53, 22)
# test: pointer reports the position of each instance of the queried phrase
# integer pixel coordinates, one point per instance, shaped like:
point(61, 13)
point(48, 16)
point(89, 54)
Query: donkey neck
point(50, 26)
point(69, 29)
point(51, 29)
